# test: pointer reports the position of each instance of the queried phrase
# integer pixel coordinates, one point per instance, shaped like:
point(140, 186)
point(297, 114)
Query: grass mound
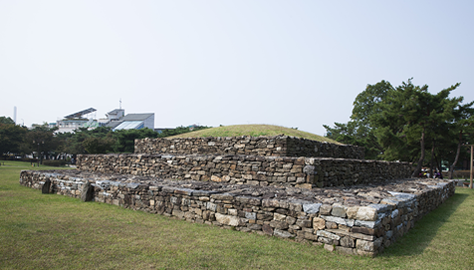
point(254, 131)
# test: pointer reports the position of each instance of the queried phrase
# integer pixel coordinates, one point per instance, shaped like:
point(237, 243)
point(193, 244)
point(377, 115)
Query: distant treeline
point(41, 141)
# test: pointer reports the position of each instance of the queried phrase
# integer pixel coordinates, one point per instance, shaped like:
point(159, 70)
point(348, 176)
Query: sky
point(288, 63)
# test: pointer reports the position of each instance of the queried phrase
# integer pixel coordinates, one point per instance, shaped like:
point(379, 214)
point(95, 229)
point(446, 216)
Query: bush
point(54, 163)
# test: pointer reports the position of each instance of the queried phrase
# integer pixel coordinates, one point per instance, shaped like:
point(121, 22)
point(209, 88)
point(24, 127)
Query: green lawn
point(56, 232)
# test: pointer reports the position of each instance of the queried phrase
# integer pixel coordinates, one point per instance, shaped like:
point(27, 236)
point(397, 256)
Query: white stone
point(367, 213)
point(327, 234)
point(227, 220)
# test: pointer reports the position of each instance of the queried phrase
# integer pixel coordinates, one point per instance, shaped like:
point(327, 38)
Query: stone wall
point(283, 146)
point(253, 170)
point(362, 220)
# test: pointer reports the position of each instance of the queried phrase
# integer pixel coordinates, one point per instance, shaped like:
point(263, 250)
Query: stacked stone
point(359, 220)
point(283, 146)
point(253, 170)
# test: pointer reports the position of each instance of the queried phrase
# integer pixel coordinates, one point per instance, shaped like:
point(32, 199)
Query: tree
point(400, 123)
point(11, 136)
point(99, 145)
point(41, 140)
point(359, 130)
point(6, 120)
point(126, 138)
point(462, 126)
point(410, 113)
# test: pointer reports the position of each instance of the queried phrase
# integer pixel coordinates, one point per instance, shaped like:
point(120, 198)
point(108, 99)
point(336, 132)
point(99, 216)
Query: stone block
point(367, 213)
point(319, 223)
point(338, 210)
point(228, 220)
point(282, 233)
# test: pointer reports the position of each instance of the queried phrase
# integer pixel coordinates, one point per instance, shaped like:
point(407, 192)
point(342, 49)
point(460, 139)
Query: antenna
point(120, 107)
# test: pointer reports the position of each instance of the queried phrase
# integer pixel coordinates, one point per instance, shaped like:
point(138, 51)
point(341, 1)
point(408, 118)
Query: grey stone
point(312, 208)
point(87, 192)
point(339, 210)
point(267, 229)
point(327, 234)
point(281, 233)
point(339, 220)
point(46, 186)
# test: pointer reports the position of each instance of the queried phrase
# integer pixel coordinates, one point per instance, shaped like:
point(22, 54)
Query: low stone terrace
point(358, 219)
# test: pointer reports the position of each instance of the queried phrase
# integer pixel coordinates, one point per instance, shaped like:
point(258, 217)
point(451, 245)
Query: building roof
point(129, 121)
point(81, 113)
point(136, 116)
point(130, 125)
point(115, 112)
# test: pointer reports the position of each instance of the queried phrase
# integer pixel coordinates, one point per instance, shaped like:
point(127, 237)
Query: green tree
point(461, 128)
point(359, 130)
point(126, 138)
point(6, 120)
point(41, 140)
point(409, 114)
point(99, 145)
point(11, 136)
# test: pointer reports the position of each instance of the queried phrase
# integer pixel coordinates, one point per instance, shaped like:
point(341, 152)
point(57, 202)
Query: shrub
point(55, 163)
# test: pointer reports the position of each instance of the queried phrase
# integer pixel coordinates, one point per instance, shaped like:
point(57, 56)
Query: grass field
point(56, 232)
point(253, 130)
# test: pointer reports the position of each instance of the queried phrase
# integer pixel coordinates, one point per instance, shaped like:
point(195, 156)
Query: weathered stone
point(215, 178)
point(267, 229)
point(46, 186)
point(367, 213)
point(352, 234)
point(371, 246)
point(329, 247)
point(281, 233)
point(304, 222)
point(339, 220)
point(338, 210)
point(290, 220)
point(228, 220)
point(319, 223)
point(270, 203)
point(279, 217)
point(250, 215)
point(352, 212)
point(368, 224)
point(87, 192)
point(325, 209)
point(312, 208)
point(279, 224)
point(347, 241)
point(363, 230)
point(327, 234)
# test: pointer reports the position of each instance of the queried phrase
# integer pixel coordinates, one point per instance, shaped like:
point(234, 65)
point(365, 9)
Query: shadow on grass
point(417, 239)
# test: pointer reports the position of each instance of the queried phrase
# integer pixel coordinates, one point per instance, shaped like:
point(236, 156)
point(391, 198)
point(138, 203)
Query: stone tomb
point(354, 217)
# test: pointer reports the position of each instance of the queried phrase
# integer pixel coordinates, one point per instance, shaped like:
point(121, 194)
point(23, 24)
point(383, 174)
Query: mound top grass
point(254, 131)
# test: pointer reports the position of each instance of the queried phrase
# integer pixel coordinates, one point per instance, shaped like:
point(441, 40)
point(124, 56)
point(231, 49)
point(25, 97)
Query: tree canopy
point(400, 123)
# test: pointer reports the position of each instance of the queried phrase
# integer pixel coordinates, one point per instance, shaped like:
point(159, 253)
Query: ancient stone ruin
point(280, 186)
